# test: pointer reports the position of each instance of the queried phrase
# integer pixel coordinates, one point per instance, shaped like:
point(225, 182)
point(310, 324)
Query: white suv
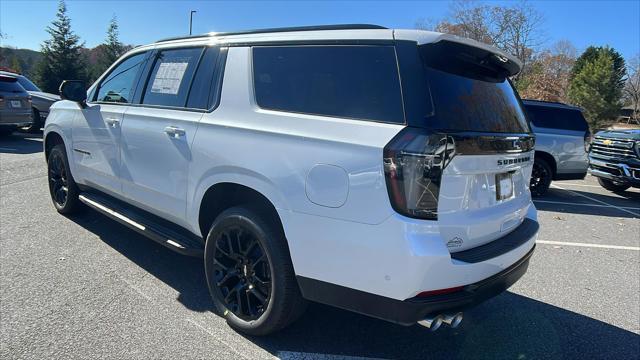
point(381, 171)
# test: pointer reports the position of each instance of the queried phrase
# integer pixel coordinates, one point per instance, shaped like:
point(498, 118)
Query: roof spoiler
point(474, 51)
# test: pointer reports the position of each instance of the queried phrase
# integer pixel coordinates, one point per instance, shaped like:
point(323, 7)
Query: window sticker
point(168, 78)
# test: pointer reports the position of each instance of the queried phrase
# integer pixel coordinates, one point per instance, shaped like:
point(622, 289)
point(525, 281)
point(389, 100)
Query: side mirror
point(74, 90)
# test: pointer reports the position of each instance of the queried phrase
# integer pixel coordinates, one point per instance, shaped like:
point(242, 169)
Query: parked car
point(562, 143)
point(615, 159)
point(318, 172)
point(40, 101)
point(15, 105)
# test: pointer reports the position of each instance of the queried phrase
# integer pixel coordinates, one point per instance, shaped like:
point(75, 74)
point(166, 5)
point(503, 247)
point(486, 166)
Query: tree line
point(599, 80)
point(64, 55)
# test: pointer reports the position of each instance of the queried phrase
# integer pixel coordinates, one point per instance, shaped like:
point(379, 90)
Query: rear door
point(158, 133)
point(97, 131)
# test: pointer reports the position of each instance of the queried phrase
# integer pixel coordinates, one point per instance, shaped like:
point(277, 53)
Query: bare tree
point(549, 73)
point(631, 91)
point(514, 28)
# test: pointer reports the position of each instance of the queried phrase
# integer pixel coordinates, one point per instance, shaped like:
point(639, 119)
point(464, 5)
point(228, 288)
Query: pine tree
point(111, 50)
point(596, 84)
point(61, 55)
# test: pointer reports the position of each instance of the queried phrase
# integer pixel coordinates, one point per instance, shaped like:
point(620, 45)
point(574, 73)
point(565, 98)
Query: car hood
point(44, 95)
point(621, 134)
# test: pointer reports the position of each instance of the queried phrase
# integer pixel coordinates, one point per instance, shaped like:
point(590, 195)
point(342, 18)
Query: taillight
point(413, 164)
point(587, 141)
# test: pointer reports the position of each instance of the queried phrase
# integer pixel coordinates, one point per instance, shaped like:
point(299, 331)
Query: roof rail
point(282, 29)
point(546, 102)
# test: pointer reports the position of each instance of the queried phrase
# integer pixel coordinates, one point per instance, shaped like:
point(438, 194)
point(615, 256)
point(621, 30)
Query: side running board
point(178, 240)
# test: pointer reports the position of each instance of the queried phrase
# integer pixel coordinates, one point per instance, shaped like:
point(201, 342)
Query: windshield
point(27, 84)
point(467, 96)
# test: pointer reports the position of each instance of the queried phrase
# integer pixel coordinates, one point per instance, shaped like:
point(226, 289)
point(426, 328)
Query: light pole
point(191, 21)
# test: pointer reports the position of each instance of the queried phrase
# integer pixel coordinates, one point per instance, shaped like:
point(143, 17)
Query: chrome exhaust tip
point(432, 323)
point(453, 320)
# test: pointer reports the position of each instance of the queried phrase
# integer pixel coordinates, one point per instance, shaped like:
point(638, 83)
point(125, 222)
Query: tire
point(541, 177)
point(612, 186)
point(250, 274)
point(62, 188)
point(37, 123)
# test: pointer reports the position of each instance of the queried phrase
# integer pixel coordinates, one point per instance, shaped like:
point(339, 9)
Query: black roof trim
point(282, 29)
point(552, 103)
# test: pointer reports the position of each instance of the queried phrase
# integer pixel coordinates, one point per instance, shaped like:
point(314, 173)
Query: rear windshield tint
point(357, 82)
point(27, 84)
point(556, 118)
point(10, 85)
point(466, 98)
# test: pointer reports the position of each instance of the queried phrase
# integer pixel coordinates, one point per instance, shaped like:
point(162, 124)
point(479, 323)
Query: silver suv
point(562, 143)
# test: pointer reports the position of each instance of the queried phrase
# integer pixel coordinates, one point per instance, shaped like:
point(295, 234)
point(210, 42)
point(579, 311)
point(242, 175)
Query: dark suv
point(615, 159)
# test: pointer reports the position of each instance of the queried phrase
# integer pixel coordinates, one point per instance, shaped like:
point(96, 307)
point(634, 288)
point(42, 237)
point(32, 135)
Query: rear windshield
point(556, 118)
point(27, 84)
point(10, 85)
point(468, 97)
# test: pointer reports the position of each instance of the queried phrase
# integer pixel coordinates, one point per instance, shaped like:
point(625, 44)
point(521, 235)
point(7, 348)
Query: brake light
point(413, 164)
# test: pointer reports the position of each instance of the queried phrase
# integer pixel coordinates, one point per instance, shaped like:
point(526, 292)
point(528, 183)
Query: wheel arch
point(550, 160)
point(224, 195)
point(51, 139)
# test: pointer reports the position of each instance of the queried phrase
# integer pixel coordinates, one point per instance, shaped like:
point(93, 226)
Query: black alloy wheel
point(541, 177)
point(58, 179)
point(242, 273)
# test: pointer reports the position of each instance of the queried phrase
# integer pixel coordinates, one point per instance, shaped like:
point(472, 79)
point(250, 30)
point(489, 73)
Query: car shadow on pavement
point(21, 143)
point(509, 326)
point(559, 200)
point(183, 273)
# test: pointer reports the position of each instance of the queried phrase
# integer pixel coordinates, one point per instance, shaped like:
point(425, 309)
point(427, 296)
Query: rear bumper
point(23, 118)
point(410, 311)
point(624, 173)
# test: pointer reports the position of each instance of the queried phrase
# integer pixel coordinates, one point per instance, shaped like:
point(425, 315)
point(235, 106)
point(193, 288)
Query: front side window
point(119, 85)
point(170, 78)
point(358, 82)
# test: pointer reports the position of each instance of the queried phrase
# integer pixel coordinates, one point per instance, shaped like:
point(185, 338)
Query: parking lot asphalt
point(86, 287)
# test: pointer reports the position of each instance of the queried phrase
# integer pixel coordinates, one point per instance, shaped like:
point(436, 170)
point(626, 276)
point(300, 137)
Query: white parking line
point(584, 185)
point(579, 204)
point(563, 243)
point(596, 200)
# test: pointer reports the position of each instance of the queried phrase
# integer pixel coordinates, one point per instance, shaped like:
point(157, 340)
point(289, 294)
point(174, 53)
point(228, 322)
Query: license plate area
point(16, 104)
point(504, 186)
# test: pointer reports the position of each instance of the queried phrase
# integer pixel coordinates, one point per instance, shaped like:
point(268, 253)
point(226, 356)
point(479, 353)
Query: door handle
point(113, 122)
point(174, 131)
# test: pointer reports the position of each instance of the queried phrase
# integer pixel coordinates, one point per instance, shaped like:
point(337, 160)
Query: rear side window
point(556, 118)
point(203, 81)
point(10, 84)
point(170, 78)
point(27, 84)
point(119, 85)
point(359, 82)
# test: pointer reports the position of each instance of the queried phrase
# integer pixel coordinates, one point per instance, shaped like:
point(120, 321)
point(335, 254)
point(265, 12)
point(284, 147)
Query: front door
point(97, 132)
